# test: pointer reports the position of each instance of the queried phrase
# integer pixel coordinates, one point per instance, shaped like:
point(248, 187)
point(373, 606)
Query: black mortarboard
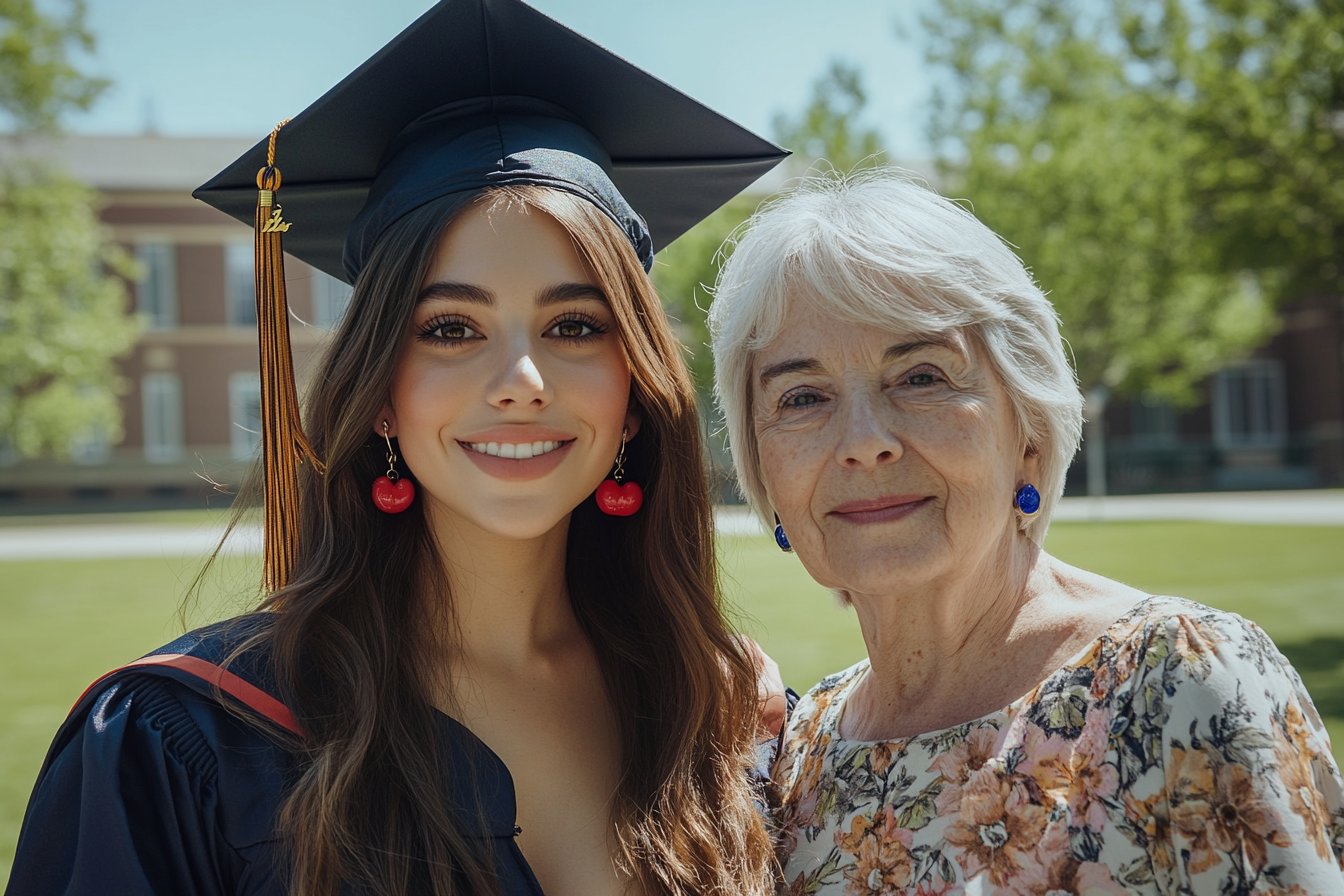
point(481, 92)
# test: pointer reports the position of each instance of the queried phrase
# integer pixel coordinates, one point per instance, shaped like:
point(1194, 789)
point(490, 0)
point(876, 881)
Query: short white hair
point(881, 249)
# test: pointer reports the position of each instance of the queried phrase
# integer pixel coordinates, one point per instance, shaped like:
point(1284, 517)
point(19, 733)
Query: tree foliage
point(38, 83)
point(62, 304)
point(1082, 152)
point(62, 319)
point(830, 127)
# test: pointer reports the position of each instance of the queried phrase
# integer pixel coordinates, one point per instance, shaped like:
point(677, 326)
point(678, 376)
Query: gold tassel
point(283, 444)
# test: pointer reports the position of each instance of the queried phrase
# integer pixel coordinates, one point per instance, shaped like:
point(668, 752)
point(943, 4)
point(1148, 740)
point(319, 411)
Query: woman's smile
point(880, 510)
point(517, 453)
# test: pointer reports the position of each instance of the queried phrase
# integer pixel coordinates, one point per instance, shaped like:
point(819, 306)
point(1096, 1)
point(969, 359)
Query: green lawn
point(63, 623)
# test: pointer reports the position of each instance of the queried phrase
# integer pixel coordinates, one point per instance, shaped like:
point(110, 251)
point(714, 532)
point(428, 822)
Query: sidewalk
point(187, 543)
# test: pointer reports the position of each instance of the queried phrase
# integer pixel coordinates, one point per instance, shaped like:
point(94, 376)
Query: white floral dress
point(1178, 754)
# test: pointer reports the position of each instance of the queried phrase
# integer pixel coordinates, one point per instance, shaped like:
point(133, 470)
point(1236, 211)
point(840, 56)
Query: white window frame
point(1250, 406)
point(331, 298)
point(156, 293)
point(240, 285)
point(161, 413)
point(244, 425)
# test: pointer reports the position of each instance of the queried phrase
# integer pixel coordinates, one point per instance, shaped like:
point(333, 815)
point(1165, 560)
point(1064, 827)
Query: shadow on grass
point(1320, 662)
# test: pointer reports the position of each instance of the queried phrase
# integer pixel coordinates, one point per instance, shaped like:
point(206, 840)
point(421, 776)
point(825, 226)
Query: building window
point(244, 415)
point(156, 293)
point(330, 299)
point(1155, 423)
point(240, 286)
point(161, 402)
point(1249, 406)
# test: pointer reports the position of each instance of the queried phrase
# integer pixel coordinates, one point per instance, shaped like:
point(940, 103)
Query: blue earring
point(1028, 500)
point(780, 538)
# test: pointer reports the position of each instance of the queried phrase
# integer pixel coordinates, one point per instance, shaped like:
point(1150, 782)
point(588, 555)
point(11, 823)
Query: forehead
point(507, 243)
point(813, 331)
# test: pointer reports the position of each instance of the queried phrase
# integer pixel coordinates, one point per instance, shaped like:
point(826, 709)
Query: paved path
point(1317, 508)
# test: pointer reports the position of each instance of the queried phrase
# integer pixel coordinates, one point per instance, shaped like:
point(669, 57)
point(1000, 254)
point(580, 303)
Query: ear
point(1029, 467)
point(385, 413)
point(633, 417)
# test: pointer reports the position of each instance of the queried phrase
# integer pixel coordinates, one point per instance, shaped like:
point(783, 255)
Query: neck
point(508, 600)
point(927, 641)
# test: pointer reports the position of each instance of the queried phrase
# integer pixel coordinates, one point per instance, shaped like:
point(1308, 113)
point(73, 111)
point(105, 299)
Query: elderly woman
point(901, 406)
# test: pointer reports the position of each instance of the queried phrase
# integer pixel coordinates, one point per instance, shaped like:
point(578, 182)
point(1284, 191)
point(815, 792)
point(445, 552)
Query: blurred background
point(1172, 171)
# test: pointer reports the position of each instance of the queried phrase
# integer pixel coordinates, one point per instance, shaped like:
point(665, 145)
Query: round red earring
point(615, 499)
point(391, 493)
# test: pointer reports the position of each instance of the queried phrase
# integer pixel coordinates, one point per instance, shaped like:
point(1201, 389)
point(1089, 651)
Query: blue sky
point(235, 67)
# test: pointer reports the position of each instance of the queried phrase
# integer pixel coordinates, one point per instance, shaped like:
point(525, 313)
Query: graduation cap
point(413, 123)
point(474, 93)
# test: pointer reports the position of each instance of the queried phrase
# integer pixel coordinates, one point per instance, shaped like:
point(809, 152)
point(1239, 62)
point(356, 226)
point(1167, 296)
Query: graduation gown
point(153, 788)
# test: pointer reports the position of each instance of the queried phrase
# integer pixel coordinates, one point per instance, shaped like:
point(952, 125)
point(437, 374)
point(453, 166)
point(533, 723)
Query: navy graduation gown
point(153, 788)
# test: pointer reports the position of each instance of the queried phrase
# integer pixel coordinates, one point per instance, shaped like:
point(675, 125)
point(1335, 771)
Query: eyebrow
point(812, 365)
point(795, 365)
point(905, 348)
point(475, 295)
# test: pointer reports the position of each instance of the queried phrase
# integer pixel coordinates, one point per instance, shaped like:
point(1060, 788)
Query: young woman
point(504, 687)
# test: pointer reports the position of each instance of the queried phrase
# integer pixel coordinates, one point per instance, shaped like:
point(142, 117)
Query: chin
point(880, 570)
point(520, 519)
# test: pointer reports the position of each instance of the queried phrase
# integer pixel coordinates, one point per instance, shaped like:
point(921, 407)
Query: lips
point(515, 450)
point(880, 510)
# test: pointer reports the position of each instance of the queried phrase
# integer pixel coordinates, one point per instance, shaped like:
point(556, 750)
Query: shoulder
point(1201, 641)
point(1189, 667)
point(177, 709)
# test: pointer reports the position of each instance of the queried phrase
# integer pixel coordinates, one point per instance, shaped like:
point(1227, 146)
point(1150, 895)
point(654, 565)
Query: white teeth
point(522, 451)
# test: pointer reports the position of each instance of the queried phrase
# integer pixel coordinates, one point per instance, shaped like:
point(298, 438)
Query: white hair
point(879, 248)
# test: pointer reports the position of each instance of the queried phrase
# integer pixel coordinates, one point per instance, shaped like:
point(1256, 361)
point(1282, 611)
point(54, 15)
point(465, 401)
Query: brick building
point(192, 407)
point(1275, 420)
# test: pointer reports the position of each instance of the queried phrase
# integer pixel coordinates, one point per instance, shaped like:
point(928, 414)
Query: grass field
point(63, 623)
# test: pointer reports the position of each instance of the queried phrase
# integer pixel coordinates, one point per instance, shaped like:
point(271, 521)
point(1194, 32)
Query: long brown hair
point(354, 657)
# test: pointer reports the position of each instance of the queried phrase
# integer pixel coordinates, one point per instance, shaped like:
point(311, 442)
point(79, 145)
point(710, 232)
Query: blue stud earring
point(1027, 500)
point(780, 538)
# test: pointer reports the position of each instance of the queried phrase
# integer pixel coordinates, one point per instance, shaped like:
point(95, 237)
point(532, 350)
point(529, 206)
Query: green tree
point(38, 83)
point(1087, 164)
point(1263, 89)
point(831, 127)
point(62, 304)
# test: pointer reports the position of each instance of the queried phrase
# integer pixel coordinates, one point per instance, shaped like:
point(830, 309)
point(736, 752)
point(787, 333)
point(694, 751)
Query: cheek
point(789, 468)
point(423, 392)
point(597, 389)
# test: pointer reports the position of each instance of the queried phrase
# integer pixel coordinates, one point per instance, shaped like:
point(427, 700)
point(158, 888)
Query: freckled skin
point(960, 611)
point(932, 423)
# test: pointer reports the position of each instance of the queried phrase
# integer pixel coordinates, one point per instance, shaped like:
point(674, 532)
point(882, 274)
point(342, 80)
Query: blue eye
point(923, 375)
point(800, 400)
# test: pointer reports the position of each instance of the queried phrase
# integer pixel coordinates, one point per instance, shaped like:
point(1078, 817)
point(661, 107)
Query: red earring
point(391, 493)
point(615, 499)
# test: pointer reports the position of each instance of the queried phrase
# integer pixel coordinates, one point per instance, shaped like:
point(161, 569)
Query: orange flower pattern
point(1179, 754)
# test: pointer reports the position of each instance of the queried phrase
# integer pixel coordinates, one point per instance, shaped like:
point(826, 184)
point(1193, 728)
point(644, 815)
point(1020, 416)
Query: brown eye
point(453, 331)
point(570, 329)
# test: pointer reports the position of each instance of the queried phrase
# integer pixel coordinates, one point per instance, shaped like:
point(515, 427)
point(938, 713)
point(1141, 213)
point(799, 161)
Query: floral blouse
point(1177, 754)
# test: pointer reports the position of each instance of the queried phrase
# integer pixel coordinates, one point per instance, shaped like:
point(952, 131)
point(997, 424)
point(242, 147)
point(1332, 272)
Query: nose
point(519, 383)
point(867, 439)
